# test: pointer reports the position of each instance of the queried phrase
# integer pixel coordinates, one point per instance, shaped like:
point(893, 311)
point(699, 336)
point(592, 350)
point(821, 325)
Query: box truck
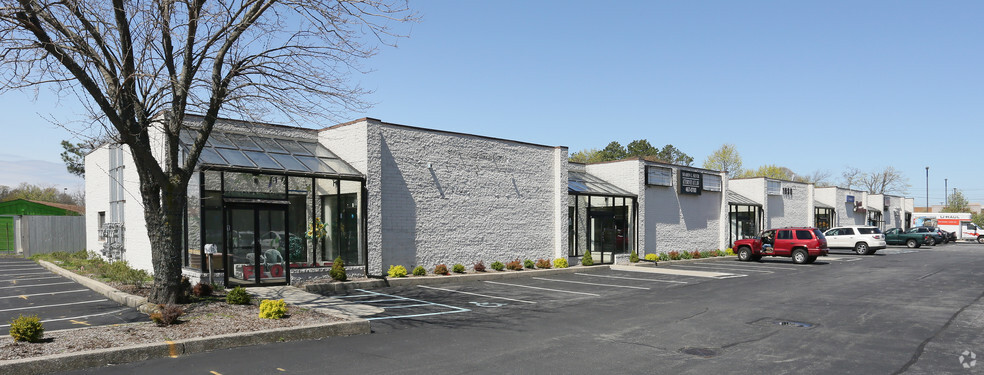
point(957, 222)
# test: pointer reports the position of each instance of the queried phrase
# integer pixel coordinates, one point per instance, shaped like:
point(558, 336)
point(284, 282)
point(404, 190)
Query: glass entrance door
point(603, 235)
point(256, 245)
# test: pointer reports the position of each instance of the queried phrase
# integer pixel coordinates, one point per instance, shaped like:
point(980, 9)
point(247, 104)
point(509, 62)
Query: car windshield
point(869, 230)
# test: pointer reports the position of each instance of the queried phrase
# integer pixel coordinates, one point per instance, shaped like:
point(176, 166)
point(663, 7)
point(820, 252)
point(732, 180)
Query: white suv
point(863, 239)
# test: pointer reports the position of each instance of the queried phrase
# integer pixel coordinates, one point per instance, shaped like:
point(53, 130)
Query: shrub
point(696, 254)
point(634, 257)
point(27, 328)
point(674, 255)
point(167, 315)
point(686, 255)
point(720, 253)
point(586, 260)
point(458, 268)
point(202, 290)
point(542, 263)
point(514, 265)
point(337, 272)
point(664, 256)
point(529, 264)
point(560, 263)
point(121, 272)
point(441, 269)
point(273, 309)
point(479, 267)
point(498, 266)
point(652, 257)
point(238, 296)
point(419, 271)
point(397, 271)
point(729, 252)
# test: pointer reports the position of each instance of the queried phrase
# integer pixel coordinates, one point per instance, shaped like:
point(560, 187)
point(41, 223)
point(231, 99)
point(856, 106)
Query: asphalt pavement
point(898, 311)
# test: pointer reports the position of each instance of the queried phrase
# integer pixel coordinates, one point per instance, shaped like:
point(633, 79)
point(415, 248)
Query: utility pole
point(927, 190)
point(946, 197)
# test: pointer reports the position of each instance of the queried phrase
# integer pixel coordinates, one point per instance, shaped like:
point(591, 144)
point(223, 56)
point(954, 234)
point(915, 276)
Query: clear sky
point(819, 85)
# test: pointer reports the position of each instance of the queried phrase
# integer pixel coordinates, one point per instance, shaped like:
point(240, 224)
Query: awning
point(581, 183)
point(817, 204)
point(735, 198)
point(265, 154)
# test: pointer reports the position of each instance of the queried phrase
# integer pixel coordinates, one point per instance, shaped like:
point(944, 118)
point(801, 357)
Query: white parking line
point(28, 286)
point(746, 264)
point(423, 303)
point(22, 269)
point(28, 274)
point(476, 294)
point(585, 283)
point(552, 290)
point(47, 294)
point(405, 306)
point(633, 278)
point(33, 278)
point(55, 305)
point(355, 295)
point(719, 268)
point(676, 272)
point(74, 317)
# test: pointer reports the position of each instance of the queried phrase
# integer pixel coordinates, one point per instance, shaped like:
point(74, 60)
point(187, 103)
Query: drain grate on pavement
point(771, 322)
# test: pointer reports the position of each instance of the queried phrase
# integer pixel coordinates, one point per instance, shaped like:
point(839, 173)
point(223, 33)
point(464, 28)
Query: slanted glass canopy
point(579, 183)
point(224, 149)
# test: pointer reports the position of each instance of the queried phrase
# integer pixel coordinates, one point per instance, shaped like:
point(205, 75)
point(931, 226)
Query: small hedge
point(498, 266)
point(273, 309)
point(560, 263)
point(664, 257)
point(458, 268)
point(27, 328)
point(587, 260)
point(397, 271)
point(167, 314)
point(238, 296)
point(441, 269)
point(634, 257)
point(337, 272)
point(729, 252)
point(202, 290)
point(479, 267)
point(652, 257)
point(542, 263)
point(514, 265)
point(529, 264)
point(418, 271)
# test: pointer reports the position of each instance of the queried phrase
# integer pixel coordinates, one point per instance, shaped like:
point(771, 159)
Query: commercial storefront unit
point(838, 206)
point(272, 204)
point(680, 208)
point(784, 203)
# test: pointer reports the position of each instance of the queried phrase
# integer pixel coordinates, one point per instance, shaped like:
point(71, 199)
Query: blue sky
point(807, 85)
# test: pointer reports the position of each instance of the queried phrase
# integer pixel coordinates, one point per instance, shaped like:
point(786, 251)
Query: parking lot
point(28, 289)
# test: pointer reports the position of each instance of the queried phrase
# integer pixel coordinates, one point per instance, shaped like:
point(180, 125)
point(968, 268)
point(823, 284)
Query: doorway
point(256, 242)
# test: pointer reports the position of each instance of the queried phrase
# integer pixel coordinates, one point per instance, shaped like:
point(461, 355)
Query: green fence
point(7, 237)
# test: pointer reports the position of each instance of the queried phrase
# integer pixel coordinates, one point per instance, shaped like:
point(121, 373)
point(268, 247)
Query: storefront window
point(300, 216)
point(744, 221)
point(823, 218)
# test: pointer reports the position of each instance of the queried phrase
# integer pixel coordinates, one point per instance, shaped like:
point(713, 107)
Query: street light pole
point(927, 190)
point(946, 196)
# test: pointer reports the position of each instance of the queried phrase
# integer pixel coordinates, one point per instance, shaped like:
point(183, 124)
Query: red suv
point(803, 244)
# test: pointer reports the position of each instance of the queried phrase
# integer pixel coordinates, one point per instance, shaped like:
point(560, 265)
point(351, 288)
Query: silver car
point(862, 238)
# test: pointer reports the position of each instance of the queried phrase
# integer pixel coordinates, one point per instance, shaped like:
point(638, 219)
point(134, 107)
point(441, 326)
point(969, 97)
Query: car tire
point(932, 242)
point(744, 254)
point(862, 248)
point(810, 260)
point(980, 239)
point(800, 256)
point(912, 243)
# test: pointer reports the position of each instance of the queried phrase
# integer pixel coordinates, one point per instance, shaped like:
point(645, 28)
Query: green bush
point(634, 257)
point(167, 314)
point(27, 328)
point(337, 272)
point(121, 272)
point(729, 252)
point(458, 268)
point(560, 263)
point(498, 266)
point(441, 269)
point(586, 260)
point(675, 255)
point(652, 257)
point(664, 256)
point(238, 296)
point(542, 263)
point(696, 255)
point(514, 265)
point(417, 271)
point(398, 271)
point(273, 309)
point(529, 264)
point(686, 255)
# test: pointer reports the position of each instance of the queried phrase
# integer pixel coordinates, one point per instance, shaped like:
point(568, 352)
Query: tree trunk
point(165, 227)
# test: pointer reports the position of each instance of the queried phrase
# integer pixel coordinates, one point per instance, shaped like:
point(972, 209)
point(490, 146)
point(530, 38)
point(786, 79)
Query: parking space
point(28, 289)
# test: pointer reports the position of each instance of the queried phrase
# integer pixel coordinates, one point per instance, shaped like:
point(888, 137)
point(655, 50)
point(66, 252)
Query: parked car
point(863, 239)
point(803, 244)
point(950, 236)
point(934, 236)
point(896, 236)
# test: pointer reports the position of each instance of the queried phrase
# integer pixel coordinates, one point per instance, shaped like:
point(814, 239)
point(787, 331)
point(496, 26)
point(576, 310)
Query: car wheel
point(912, 243)
point(980, 239)
point(932, 241)
point(861, 248)
point(744, 254)
point(810, 260)
point(799, 256)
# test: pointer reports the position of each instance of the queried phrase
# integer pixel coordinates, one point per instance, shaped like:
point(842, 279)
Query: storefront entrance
point(256, 240)
point(608, 226)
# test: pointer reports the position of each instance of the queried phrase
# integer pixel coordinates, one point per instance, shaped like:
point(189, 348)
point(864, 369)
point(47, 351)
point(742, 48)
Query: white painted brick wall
point(96, 195)
point(779, 210)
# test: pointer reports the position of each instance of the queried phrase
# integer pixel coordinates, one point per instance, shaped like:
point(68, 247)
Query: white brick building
point(784, 203)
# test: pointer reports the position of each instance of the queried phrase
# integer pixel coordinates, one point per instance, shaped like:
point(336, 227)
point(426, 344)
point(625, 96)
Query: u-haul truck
point(958, 223)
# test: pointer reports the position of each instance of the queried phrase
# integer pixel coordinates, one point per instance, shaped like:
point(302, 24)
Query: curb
point(140, 303)
point(143, 352)
point(439, 280)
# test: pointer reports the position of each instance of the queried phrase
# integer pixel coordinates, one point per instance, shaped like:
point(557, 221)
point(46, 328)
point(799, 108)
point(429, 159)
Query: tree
point(819, 177)
point(641, 148)
point(725, 158)
point(74, 157)
point(770, 171)
point(614, 151)
point(886, 181)
point(851, 178)
point(673, 155)
point(587, 156)
point(39, 193)
point(956, 202)
point(140, 66)
point(978, 218)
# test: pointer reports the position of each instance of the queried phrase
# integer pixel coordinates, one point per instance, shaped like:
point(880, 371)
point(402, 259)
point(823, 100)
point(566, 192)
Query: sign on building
point(690, 182)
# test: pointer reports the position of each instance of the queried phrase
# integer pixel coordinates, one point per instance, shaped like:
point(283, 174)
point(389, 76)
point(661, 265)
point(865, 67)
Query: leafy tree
point(39, 193)
point(770, 171)
point(139, 67)
point(725, 158)
point(978, 218)
point(641, 147)
point(671, 154)
point(956, 202)
point(74, 157)
point(614, 151)
point(587, 156)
